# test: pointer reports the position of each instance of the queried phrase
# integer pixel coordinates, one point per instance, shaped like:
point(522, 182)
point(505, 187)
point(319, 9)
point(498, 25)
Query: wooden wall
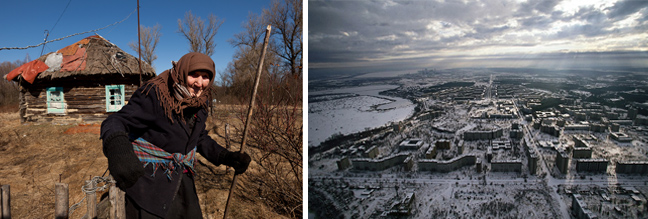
point(85, 103)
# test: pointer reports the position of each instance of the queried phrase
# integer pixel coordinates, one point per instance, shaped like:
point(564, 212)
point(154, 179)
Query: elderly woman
point(152, 141)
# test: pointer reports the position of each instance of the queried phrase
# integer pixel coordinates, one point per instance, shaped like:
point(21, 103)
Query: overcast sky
point(372, 36)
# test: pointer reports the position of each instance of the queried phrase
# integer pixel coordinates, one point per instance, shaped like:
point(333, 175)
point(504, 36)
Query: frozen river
point(350, 110)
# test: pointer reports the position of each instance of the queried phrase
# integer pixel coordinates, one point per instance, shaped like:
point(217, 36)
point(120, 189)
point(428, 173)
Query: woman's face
point(197, 81)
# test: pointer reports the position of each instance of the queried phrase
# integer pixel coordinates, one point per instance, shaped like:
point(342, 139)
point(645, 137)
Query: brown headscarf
point(170, 86)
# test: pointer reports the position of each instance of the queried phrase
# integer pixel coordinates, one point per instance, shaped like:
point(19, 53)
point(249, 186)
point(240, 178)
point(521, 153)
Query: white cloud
point(390, 37)
point(573, 6)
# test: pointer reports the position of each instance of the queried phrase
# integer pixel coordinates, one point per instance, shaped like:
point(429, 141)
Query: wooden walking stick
point(249, 114)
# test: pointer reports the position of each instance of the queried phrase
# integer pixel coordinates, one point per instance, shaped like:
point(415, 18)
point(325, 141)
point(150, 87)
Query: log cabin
point(83, 83)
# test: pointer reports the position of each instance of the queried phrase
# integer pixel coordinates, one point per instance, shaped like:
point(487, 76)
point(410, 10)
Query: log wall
point(84, 103)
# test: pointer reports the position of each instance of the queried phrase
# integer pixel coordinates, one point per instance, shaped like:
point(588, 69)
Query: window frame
point(114, 107)
point(52, 109)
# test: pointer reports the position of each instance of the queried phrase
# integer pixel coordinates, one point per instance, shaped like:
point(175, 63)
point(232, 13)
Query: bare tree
point(238, 77)
point(286, 19)
point(252, 35)
point(286, 49)
point(149, 37)
point(199, 34)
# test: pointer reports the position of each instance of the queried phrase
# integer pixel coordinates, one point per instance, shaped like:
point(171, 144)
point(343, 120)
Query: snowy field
point(471, 200)
point(350, 110)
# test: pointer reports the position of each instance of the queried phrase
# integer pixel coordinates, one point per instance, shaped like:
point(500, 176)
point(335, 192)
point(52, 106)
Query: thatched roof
point(95, 56)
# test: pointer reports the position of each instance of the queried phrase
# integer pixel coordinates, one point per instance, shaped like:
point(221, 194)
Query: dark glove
point(123, 164)
point(239, 161)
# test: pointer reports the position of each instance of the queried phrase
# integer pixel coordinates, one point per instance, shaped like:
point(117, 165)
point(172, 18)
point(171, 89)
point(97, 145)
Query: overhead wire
point(57, 20)
point(27, 47)
point(46, 35)
point(55, 23)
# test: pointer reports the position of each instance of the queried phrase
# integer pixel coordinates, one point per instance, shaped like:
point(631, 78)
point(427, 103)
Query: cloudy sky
point(396, 36)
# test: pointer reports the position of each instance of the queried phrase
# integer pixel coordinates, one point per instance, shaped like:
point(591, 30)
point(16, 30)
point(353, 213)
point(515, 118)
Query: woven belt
point(150, 154)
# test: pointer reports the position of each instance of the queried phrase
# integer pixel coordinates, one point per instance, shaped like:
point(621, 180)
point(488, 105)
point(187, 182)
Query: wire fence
point(92, 187)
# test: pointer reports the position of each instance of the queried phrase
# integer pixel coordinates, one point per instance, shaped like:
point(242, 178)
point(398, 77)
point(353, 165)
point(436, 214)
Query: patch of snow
point(353, 114)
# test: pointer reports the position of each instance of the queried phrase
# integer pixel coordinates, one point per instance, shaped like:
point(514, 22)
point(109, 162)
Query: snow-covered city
point(480, 143)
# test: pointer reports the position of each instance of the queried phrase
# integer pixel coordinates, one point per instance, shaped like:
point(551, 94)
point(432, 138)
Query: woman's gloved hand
point(239, 161)
point(123, 164)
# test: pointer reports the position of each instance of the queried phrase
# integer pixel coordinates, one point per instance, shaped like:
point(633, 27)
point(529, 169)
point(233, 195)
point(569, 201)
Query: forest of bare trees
point(9, 89)
point(277, 129)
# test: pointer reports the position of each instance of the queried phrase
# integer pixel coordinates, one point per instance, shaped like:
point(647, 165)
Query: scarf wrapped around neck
point(171, 85)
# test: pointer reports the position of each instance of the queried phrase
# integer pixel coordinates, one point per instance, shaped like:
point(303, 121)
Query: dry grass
point(35, 157)
point(10, 108)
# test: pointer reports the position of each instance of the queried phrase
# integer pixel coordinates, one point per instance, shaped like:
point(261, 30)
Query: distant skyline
point(25, 22)
point(358, 37)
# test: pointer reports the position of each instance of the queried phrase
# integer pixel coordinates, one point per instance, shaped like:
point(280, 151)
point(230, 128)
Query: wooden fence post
point(6, 202)
point(117, 203)
point(62, 201)
point(91, 199)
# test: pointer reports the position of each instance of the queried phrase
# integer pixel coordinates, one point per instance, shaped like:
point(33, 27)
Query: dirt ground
point(33, 157)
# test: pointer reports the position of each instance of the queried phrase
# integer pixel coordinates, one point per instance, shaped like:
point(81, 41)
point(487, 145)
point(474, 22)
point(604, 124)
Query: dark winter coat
point(144, 117)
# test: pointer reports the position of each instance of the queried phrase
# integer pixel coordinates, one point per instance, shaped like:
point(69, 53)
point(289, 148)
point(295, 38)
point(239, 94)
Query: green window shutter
point(55, 100)
point(114, 97)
